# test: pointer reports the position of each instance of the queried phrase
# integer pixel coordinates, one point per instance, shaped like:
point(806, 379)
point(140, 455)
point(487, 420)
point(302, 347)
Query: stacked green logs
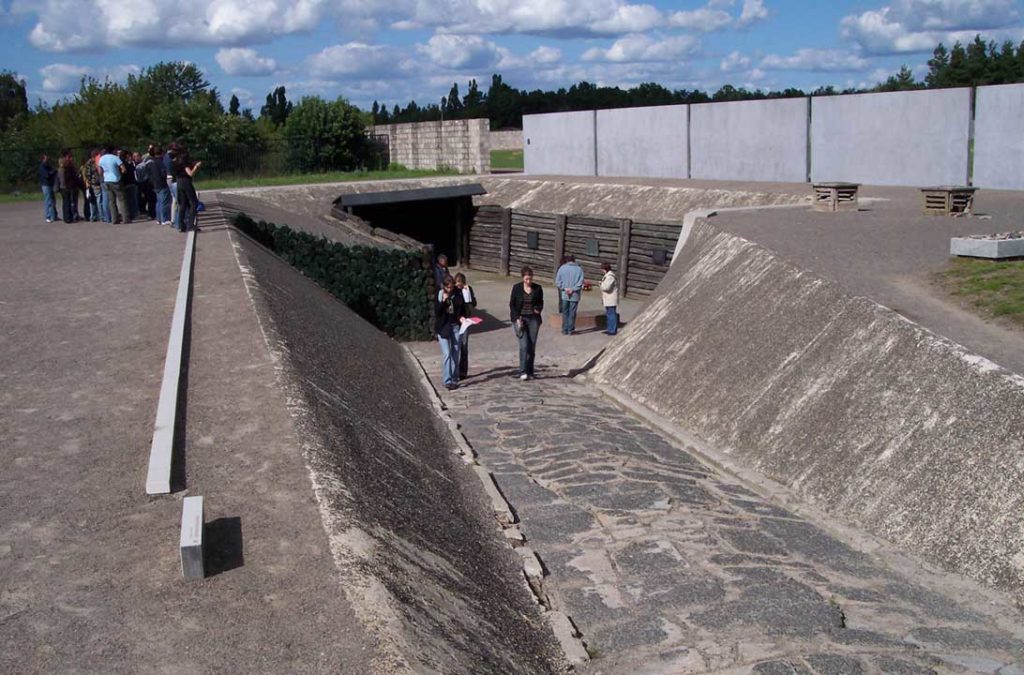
point(392, 289)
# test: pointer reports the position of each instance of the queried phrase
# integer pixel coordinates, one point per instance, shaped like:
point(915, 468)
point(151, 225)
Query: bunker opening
point(439, 217)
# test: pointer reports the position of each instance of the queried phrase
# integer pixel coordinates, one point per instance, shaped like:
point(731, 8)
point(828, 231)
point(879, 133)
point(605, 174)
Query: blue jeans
point(163, 205)
point(528, 344)
point(175, 206)
point(569, 308)
point(105, 203)
point(50, 204)
point(449, 359)
point(611, 320)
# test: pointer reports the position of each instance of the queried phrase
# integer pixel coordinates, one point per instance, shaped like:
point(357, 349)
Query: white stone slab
point(158, 477)
point(987, 248)
point(191, 543)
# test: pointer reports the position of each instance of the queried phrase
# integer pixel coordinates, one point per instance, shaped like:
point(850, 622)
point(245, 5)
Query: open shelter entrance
point(437, 216)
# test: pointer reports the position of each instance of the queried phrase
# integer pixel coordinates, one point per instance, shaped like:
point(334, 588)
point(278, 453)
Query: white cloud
point(545, 55)
point(460, 51)
point(733, 62)
point(918, 25)
point(358, 59)
point(705, 19)
point(753, 11)
point(65, 78)
point(815, 60)
point(244, 62)
point(639, 48)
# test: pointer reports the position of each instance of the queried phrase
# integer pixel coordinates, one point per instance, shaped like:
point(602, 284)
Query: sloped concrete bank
point(862, 413)
point(412, 534)
point(657, 202)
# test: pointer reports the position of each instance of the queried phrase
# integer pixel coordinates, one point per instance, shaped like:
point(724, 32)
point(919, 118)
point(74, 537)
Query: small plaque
point(533, 240)
point(659, 256)
point(593, 248)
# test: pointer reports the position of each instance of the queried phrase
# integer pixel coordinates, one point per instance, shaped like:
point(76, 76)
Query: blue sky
point(397, 50)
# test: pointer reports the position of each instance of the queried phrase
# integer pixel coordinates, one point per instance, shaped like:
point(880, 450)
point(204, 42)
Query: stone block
point(986, 248)
point(191, 543)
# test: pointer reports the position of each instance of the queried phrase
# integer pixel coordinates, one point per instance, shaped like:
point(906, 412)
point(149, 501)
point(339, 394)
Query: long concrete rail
point(161, 451)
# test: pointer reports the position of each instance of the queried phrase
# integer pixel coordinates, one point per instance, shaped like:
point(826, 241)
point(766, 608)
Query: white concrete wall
point(749, 140)
point(559, 143)
point(463, 145)
point(647, 142)
point(900, 138)
point(999, 137)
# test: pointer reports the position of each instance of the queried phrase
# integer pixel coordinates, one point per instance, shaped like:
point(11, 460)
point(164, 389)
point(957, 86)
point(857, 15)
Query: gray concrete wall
point(900, 138)
point(999, 137)
point(511, 139)
point(749, 140)
point(647, 142)
point(463, 145)
point(861, 412)
point(559, 143)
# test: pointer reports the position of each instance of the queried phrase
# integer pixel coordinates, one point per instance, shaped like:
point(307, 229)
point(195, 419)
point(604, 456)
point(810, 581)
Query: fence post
point(560, 222)
point(625, 232)
point(506, 242)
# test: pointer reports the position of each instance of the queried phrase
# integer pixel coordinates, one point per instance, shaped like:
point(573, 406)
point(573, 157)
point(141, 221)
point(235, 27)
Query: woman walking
point(188, 200)
point(469, 298)
point(525, 307)
point(450, 310)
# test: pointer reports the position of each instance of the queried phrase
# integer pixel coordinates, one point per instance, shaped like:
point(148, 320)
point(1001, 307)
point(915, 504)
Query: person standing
point(130, 185)
point(111, 168)
point(440, 270)
point(158, 186)
point(172, 186)
point(469, 297)
point(66, 185)
point(610, 299)
point(188, 201)
point(569, 280)
point(526, 305)
point(448, 315)
point(47, 179)
point(90, 189)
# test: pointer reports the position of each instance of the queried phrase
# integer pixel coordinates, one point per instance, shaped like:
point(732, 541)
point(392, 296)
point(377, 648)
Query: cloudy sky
point(395, 50)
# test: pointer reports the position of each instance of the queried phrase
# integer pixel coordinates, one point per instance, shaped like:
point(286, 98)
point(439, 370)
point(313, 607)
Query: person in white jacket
point(610, 298)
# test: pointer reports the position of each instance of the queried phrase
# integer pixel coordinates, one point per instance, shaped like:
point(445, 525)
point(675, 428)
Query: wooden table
point(835, 196)
point(948, 200)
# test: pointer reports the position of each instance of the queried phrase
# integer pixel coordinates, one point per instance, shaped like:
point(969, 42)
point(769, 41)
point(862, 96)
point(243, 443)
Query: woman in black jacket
point(525, 307)
point(448, 315)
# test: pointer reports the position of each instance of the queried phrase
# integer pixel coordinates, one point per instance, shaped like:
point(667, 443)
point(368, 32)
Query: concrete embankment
point(859, 411)
point(411, 531)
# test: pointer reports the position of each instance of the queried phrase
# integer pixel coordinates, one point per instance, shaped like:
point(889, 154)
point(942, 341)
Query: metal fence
point(19, 165)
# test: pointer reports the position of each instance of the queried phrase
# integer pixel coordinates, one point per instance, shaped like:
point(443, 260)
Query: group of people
point(456, 302)
point(118, 186)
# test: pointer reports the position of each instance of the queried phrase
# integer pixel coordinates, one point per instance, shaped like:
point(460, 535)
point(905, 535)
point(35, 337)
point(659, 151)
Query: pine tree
point(234, 105)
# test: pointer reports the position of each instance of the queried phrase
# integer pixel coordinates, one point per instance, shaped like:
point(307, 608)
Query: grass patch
point(14, 197)
point(507, 159)
point(313, 178)
point(995, 288)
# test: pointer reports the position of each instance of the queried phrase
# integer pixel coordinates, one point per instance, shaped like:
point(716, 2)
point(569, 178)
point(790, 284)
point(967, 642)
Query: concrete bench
point(191, 542)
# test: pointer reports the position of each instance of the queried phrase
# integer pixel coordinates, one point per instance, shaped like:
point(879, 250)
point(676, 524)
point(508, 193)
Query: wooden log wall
point(485, 239)
point(645, 238)
point(498, 243)
point(581, 229)
point(541, 259)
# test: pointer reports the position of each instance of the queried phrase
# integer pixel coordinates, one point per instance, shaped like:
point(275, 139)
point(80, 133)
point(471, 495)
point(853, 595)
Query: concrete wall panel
point(749, 140)
point(648, 142)
point(900, 138)
point(458, 144)
point(999, 137)
point(559, 144)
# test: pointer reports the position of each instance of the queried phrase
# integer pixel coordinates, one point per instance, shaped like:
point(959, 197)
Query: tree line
point(976, 64)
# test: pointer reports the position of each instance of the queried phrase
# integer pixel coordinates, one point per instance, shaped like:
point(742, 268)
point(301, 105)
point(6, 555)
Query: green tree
point(901, 81)
point(13, 99)
point(234, 105)
point(278, 107)
point(938, 68)
point(172, 80)
point(326, 136)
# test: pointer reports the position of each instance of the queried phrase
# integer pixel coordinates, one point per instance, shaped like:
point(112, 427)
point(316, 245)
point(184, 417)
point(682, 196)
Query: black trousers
point(67, 200)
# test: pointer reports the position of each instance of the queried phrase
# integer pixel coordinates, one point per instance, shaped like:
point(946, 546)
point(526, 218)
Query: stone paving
point(668, 566)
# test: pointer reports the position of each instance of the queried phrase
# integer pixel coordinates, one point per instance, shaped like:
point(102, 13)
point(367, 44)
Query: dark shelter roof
point(417, 195)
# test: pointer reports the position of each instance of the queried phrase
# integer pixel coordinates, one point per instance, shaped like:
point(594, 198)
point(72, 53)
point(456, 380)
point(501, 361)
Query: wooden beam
point(625, 231)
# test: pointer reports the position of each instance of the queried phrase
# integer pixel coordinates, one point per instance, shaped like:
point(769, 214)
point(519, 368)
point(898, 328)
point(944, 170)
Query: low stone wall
point(507, 140)
point(861, 412)
point(463, 145)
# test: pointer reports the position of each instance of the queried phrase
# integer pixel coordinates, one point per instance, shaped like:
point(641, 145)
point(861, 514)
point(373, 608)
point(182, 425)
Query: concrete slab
point(190, 544)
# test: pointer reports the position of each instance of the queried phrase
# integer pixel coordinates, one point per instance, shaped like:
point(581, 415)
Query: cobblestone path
point(669, 566)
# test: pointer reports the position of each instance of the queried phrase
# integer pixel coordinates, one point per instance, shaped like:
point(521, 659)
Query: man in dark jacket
point(449, 312)
point(47, 178)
